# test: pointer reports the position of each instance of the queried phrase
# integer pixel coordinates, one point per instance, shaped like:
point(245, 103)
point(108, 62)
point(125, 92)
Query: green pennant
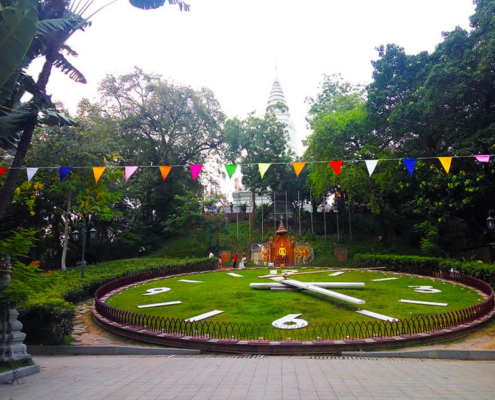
point(230, 169)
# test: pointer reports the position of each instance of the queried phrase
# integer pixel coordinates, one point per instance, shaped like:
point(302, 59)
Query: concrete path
point(253, 378)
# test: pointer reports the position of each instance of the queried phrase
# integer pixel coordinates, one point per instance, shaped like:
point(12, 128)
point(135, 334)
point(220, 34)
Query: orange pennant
point(298, 166)
point(446, 161)
point(336, 166)
point(97, 171)
point(165, 169)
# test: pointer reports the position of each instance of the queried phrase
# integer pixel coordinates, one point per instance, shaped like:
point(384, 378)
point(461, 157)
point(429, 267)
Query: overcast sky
point(231, 46)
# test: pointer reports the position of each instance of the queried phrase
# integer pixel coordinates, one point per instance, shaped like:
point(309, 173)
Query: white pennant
point(31, 172)
point(371, 165)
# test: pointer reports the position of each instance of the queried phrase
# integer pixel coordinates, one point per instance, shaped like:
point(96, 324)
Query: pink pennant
point(195, 170)
point(129, 171)
point(483, 158)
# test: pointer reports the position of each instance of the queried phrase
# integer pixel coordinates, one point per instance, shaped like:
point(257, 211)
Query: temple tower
point(282, 113)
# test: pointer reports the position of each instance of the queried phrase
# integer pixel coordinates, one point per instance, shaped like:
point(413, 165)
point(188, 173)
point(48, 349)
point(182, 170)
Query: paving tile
point(285, 378)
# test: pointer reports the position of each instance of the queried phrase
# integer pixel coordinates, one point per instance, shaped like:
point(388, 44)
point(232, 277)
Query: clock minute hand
point(312, 288)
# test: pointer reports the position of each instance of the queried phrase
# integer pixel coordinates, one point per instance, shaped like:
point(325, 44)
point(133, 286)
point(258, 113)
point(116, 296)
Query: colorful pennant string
point(129, 171)
point(482, 158)
point(446, 161)
point(336, 166)
point(230, 169)
point(165, 169)
point(298, 167)
point(2, 171)
point(371, 165)
point(263, 167)
point(195, 170)
point(30, 173)
point(63, 171)
point(97, 171)
point(410, 163)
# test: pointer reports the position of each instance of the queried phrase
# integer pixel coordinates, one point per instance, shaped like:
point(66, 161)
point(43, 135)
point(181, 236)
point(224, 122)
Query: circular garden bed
point(218, 311)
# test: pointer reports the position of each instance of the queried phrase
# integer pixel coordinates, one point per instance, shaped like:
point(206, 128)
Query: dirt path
point(88, 333)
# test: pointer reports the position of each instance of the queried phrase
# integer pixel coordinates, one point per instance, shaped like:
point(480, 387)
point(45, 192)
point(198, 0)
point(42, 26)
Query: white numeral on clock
point(157, 290)
point(290, 322)
point(425, 289)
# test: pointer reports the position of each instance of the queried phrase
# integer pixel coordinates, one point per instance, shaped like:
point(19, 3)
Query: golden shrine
point(282, 250)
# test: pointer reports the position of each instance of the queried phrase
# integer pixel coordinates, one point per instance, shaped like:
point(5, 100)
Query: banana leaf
point(17, 31)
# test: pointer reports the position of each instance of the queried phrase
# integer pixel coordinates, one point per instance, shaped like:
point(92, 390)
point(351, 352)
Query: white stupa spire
point(282, 113)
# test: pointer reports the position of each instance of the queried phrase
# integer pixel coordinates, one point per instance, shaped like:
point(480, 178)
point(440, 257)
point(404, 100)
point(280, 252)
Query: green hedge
point(477, 269)
point(48, 315)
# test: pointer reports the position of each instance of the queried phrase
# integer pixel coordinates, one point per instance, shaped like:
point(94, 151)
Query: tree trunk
point(66, 233)
point(253, 211)
point(38, 100)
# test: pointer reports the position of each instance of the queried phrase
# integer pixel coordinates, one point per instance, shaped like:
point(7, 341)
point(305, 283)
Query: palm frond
point(76, 10)
point(69, 50)
point(54, 118)
point(50, 26)
point(67, 68)
point(12, 123)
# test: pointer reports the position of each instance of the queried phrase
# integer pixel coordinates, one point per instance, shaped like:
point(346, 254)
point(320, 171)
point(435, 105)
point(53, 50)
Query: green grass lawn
point(242, 304)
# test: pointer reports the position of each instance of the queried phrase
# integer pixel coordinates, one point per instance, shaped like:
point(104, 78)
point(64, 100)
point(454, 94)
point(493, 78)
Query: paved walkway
point(253, 378)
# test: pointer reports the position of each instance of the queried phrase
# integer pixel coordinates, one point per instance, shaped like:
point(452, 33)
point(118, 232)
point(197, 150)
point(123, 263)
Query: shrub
point(476, 269)
point(48, 314)
point(47, 321)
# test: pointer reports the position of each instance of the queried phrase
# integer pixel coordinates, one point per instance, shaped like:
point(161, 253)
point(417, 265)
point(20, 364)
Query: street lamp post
point(84, 231)
point(490, 221)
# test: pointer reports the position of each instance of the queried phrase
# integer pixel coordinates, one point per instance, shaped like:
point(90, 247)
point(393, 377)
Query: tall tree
point(53, 204)
point(161, 124)
point(258, 140)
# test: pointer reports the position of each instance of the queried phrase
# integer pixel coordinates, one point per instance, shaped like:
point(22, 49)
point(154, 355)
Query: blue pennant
point(63, 172)
point(410, 163)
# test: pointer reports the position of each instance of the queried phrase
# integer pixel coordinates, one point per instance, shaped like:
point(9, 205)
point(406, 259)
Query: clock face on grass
point(226, 296)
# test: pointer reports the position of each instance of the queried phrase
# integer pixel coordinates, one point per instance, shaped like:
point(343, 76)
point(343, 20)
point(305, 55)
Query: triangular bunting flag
point(31, 172)
point(446, 161)
point(263, 168)
point(336, 166)
point(129, 171)
point(298, 166)
point(410, 163)
point(483, 158)
point(195, 170)
point(371, 165)
point(230, 169)
point(2, 171)
point(63, 171)
point(165, 169)
point(97, 171)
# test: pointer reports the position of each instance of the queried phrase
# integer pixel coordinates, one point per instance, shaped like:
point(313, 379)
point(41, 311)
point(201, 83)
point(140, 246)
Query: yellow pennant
point(446, 161)
point(97, 171)
point(298, 166)
point(263, 167)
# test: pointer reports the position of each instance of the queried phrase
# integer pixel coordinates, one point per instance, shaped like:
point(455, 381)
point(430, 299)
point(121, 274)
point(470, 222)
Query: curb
point(7, 377)
point(474, 355)
point(107, 351)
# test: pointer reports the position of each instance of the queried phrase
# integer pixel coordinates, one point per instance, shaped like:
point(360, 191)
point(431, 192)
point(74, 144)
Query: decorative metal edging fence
point(316, 332)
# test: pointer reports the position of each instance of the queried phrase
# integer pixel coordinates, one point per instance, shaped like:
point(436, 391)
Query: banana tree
point(30, 29)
